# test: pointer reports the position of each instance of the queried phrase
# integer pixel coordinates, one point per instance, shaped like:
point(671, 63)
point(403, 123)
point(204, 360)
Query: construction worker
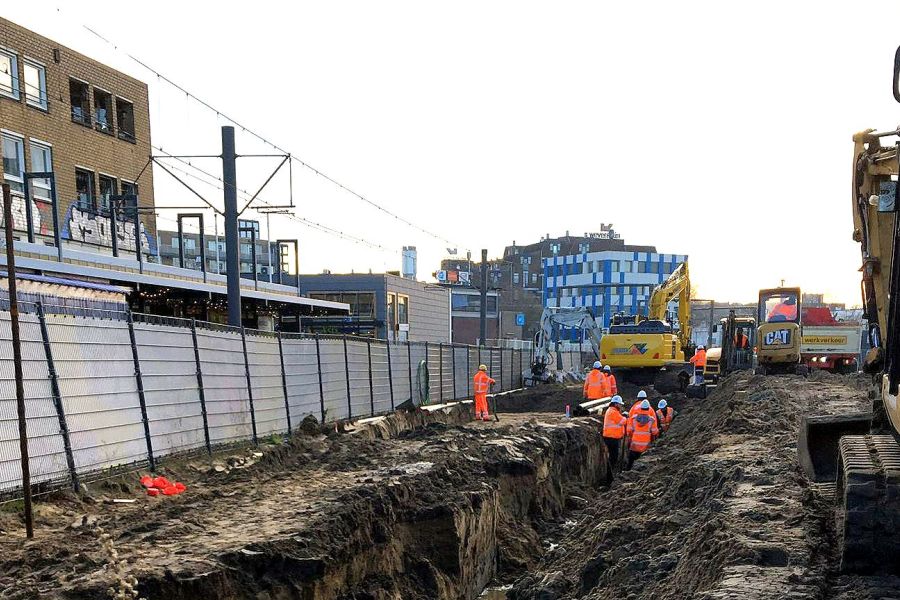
point(642, 406)
point(786, 310)
point(611, 387)
point(595, 384)
point(641, 430)
point(614, 423)
point(483, 383)
point(664, 415)
point(699, 362)
point(741, 341)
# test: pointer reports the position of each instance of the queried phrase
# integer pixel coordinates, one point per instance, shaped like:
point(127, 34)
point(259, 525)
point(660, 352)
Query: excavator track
point(869, 517)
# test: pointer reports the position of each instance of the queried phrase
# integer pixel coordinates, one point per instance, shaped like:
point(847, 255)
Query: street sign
point(520, 319)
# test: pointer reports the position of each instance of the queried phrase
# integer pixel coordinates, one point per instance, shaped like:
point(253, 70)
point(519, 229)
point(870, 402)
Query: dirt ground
point(436, 506)
point(718, 509)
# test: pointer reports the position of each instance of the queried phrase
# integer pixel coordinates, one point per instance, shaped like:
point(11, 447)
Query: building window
point(653, 267)
point(35, 84)
point(103, 111)
point(392, 312)
point(642, 267)
point(626, 266)
point(516, 278)
point(108, 188)
point(41, 161)
point(80, 100)
point(84, 187)
point(130, 190)
point(14, 162)
point(125, 119)
point(402, 309)
point(9, 74)
point(534, 277)
point(614, 266)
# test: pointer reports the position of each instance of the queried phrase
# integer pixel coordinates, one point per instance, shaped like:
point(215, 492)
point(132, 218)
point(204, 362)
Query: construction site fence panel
point(122, 390)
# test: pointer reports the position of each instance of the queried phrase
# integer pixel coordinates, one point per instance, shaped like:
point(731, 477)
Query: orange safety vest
point(614, 423)
point(642, 429)
point(611, 386)
point(595, 385)
point(741, 341)
point(664, 417)
point(699, 359)
point(788, 311)
point(482, 383)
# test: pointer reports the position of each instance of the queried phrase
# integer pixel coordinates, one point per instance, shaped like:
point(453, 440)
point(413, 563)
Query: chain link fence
point(118, 389)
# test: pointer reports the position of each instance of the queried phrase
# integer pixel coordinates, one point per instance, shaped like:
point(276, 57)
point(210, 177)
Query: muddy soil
point(432, 506)
point(717, 509)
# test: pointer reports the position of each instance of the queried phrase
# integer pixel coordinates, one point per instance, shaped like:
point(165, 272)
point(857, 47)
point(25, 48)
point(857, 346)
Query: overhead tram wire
point(261, 138)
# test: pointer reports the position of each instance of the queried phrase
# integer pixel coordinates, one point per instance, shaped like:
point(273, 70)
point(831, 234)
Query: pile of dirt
point(717, 509)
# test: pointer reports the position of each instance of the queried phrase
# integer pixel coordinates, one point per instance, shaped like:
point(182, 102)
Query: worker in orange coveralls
point(483, 383)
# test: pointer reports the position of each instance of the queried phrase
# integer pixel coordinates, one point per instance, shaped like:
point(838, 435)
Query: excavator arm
point(678, 285)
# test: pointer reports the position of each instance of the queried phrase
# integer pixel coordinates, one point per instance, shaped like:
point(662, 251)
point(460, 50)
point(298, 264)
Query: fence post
point(200, 391)
point(287, 405)
point(441, 371)
point(371, 387)
point(521, 367)
point(139, 378)
point(249, 386)
point(321, 386)
point(468, 374)
point(390, 372)
point(453, 366)
point(347, 375)
point(57, 397)
point(409, 364)
point(501, 368)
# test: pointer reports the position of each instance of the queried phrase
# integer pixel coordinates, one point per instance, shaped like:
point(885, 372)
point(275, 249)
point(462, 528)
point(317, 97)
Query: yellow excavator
point(650, 350)
point(779, 333)
point(859, 453)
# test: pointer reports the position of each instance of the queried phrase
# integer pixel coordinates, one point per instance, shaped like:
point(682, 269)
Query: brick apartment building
point(89, 124)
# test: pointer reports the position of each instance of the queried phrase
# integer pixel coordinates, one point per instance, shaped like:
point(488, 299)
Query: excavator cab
point(778, 335)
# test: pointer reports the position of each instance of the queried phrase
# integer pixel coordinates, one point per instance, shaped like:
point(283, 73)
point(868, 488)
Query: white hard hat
point(642, 394)
point(597, 364)
point(645, 404)
point(616, 400)
point(663, 403)
point(606, 368)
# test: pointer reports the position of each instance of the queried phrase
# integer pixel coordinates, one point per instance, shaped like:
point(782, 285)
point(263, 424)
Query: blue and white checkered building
point(606, 282)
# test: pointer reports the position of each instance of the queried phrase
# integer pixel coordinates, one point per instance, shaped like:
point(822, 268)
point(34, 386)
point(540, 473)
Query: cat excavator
point(859, 453)
point(651, 349)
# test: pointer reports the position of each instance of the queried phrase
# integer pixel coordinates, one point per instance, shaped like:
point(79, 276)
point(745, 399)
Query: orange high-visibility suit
point(642, 429)
point(482, 385)
point(699, 359)
point(611, 383)
point(637, 410)
point(614, 423)
point(664, 418)
point(595, 385)
point(741, 341)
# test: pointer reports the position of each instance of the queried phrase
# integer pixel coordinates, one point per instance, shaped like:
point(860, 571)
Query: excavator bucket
point(817, 447)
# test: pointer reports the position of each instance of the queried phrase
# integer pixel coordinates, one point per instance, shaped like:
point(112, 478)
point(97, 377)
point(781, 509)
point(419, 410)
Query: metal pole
point(287, 404)
point(142, 399)
point(200, 391)
point(501, 368)
point(17, 359)
point(468, 375)
point(269, 246)
point(441, 371)
point(137, 239)
point(453, 364)
point(232, 250)
point(180, 242)
point(114, 227)
point(409, 363)
point(371, 386)
point(57, 236)
point(390, 372)
point(321, 386)
point(57, 397)
point(482, 326)
point(29, 224)
point(347, 376)
point(249, 386)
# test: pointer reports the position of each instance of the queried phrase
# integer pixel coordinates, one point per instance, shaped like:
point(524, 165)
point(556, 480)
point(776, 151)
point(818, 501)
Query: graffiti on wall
point(41, 215)
point(93, 227)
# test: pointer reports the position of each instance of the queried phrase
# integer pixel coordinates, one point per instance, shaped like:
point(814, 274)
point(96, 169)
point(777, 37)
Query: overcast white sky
point(716, 129)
